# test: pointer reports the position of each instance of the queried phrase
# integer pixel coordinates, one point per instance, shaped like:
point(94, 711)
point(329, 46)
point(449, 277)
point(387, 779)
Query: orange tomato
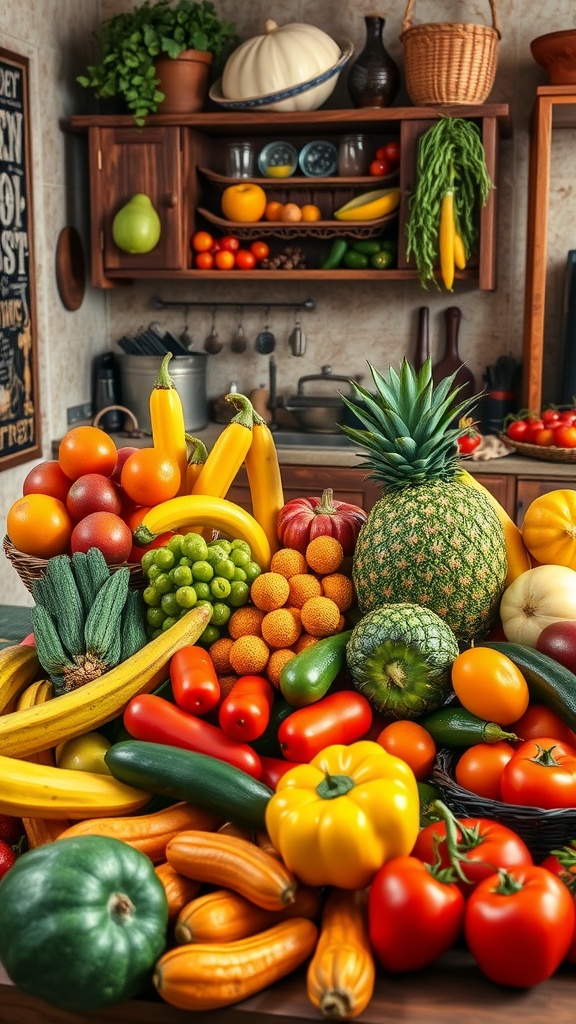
point(273, 210)
point(204, 261)
point(260, 250)
point(150, 476)
point(490, 685)
point(479, 769)
point(311, 212)
point(291, 212)
point(202, 241)
point(412, 743)
point(39, 525)
point(87, 450)
point(224, 259)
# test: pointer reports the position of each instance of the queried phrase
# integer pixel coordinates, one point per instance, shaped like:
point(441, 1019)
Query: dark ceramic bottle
point(374, 79)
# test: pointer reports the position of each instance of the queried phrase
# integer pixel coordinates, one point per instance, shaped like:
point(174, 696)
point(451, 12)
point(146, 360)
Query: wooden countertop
point(451, 992)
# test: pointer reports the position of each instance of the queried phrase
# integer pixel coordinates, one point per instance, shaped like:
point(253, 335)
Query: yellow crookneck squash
point(336, 820)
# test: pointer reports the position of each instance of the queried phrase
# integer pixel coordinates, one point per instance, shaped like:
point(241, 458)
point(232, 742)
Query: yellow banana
point(18, 667)
point(370, 205)
point(89, 706)
point(265, 480)
point(228, 452)
point(35, 694)
point(516, 553)
point(459, 252)
point(36, 790)
point(40, 831)
point(206, 510)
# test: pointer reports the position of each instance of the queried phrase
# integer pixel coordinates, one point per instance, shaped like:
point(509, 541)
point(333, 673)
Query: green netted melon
point(399, 657)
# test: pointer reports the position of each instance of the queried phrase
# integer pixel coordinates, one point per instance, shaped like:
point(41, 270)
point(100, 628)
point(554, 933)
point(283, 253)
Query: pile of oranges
point(292, 212)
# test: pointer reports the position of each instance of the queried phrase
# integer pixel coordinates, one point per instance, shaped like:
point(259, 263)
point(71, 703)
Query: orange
point(412, 743)
point(273, 210)
point(39, 525)
point(87, 450)
point(311, 212)
point(291, 212)
point(244, 202)
point(150, 476)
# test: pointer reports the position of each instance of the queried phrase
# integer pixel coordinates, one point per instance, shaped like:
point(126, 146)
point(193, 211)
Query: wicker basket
point(449, 62)
point(541, 830)
point(31, 569)
point(539, 451)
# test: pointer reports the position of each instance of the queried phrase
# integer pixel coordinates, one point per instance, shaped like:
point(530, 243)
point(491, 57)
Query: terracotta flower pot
point(184, 81)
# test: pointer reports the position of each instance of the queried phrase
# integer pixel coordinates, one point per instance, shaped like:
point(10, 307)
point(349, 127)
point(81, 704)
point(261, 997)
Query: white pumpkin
point(283, 57)
point(536, 598)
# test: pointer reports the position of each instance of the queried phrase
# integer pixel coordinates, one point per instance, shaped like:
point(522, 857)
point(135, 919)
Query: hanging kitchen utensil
point(422, 338)
point(238, 343)
point(452, 361)
point(297, 339)
point(265, 340)
point(186, 337)
point(212, 343)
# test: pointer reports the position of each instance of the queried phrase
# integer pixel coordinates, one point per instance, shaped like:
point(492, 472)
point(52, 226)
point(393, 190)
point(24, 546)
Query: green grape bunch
point(189, 571)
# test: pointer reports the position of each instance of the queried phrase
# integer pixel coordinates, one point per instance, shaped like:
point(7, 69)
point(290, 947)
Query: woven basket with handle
point(31, 569)
point(449, 62)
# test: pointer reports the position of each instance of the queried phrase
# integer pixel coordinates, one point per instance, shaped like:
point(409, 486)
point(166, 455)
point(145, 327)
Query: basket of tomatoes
point(549, 435)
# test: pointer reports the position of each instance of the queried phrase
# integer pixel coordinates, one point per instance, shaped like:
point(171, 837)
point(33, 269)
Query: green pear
point(136, 226)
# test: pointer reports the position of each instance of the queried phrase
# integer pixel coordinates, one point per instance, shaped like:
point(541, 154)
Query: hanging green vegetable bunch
point(452, 180)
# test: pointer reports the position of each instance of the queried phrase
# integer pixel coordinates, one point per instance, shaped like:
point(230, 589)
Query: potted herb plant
point(137, 49)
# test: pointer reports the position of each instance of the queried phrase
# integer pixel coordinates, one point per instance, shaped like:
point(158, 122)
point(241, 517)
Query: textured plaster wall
point(353, 323)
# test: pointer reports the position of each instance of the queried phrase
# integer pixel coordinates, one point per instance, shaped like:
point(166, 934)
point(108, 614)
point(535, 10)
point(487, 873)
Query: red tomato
point(517, 430)
point(550, 417)
point(341, 717)
point(543, 437)
point(194, 681)
point(391, 151)
point(229, 243)
point(245, 712)
point(539, 720)
point(201, 241)
point(245, 260)
point(413, 917)
point(519, 925)
point(479, 769)
point(260, 250)
point(93, 493)
point(562, 863)
point(204, 261)
point(467, 444)
point(565, 436)
point(533, 426)
point(567, 417)
point(485, 845)
point(155, 720)
point(542, 773)
point(379, 167)
point(224, 259)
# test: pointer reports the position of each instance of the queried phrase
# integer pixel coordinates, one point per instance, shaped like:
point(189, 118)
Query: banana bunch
point(86, 619)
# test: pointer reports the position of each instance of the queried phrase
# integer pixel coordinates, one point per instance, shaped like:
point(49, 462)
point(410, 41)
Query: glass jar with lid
point(353, 156)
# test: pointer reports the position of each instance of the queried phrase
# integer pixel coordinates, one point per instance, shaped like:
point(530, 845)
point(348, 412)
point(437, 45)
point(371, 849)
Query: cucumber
point(308, 677)
point(201, 780)
point(457, 727)
point(336, 254)
point(549, 682)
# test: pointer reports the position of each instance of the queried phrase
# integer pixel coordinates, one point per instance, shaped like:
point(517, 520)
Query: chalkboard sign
point(19, 399)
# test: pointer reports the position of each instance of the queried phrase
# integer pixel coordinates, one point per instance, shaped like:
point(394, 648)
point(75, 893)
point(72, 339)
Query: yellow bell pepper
point(336, 820)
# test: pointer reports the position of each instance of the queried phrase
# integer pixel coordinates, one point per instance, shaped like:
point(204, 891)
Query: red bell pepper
point(194, 680)
point(156, 720)
point(245, 712)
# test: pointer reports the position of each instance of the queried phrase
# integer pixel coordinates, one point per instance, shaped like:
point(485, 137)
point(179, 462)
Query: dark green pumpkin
point(82, 922)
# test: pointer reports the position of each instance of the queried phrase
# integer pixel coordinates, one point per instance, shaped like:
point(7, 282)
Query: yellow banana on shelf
point(516, 553)
point(37, 790)
point(206, 510)
point(370, 205)
point(18, 667)
point(93, 704)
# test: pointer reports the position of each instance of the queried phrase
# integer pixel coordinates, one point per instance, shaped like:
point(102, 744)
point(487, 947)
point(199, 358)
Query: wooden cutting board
point(452, 361)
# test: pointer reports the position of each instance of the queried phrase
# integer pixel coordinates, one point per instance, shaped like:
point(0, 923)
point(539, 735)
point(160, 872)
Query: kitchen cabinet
point(529, 488)
point(554, 108)
point(178, 162)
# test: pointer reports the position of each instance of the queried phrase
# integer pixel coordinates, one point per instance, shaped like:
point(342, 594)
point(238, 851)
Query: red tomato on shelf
point(245, 260)
point(224, 259)
point(565, 436)
point(380, 166)
point(260, 250)
point(201, 241)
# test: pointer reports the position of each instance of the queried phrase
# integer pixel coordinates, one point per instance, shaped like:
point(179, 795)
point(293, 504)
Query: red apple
point(558, 641)
point(93, 493)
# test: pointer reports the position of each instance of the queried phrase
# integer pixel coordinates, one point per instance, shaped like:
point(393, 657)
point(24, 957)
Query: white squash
point(283, 57)
point(536, 598)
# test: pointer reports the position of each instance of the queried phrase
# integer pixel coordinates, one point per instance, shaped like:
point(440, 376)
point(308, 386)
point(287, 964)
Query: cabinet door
point(529, 489)
point(129, 162)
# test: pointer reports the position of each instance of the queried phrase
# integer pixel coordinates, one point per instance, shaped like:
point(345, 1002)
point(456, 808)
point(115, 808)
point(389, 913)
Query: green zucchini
point(336, 254)
point(457, 727)
point(549, 682)
point(367, 246)
point(201, 780)
point(308, 677)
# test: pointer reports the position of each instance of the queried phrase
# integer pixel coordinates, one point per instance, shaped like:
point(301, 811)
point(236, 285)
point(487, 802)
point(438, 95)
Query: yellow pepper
point(336, 820)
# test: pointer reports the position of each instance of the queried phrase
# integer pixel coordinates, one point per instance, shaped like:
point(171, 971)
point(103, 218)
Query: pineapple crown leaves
point(411, 426)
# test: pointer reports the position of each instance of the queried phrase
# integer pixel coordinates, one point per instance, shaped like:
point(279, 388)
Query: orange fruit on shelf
point(291, 212)
point(87, 450)
point(311, 212)
point(244, 202)
point(39, 525)
point(273, 210)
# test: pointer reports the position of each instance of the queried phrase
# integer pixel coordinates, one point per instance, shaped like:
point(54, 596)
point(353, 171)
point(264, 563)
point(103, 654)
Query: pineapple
point(429, 540)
